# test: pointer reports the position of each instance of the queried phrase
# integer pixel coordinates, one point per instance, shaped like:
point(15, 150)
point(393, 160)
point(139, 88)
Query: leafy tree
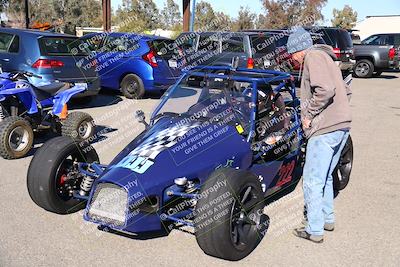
point(138, 16)
point(287, 13)
point(208, 20)
point(245, 20)
point(170, 15)
point(345, 18)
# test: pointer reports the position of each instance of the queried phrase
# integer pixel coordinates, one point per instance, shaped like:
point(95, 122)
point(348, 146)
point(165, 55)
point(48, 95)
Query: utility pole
point(106, 5)
point(27, 14)
point(186, 15)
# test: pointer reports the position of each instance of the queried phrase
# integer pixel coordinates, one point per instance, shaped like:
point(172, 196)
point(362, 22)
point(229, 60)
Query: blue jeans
point(322, 155)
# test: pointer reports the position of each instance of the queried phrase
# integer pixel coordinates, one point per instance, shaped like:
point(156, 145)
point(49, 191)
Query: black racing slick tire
point(16, 137)
point(132, 87)
point(78, 126)
point(52, 176)
point(229, 222)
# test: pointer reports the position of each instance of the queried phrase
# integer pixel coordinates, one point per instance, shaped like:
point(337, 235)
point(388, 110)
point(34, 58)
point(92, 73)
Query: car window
point(377, 40)
point(233, 44)
point(209, 42)
point(186, 41)
point(337, 38)
point(94, 42)
point(397, 39)
point(164, 47)
point(262, 44)
point(121, 44)
point(14, 47)
point(61, 46)
point(5, 41)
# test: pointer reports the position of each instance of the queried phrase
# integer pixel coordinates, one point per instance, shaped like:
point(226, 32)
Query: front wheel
point(16, 137)
point(229, 222)
point(53, 176)
point(341, 174)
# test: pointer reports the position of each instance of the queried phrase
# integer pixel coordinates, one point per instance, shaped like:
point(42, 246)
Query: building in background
point(378, 24)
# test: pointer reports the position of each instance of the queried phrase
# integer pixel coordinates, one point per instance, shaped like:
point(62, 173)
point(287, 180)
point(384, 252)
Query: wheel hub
point(18, 139)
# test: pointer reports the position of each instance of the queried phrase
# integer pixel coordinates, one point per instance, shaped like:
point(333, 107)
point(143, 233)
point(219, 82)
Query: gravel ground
point(367, 232)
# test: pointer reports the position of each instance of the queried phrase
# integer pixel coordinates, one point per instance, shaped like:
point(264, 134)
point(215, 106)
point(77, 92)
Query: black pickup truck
point(377, 53)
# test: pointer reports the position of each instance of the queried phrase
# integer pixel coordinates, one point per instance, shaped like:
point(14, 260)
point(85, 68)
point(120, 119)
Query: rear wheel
point(228, 219)
point(364, 68)
point(52, 175)
point(16, 137)
point(78, 125)
point(341, 174)
point(132, 87)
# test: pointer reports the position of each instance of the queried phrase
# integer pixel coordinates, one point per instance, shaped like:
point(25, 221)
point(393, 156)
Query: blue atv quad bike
point(213, 155)
point(25, 109)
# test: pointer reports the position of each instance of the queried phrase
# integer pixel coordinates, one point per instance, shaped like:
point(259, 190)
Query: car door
point(9, 51)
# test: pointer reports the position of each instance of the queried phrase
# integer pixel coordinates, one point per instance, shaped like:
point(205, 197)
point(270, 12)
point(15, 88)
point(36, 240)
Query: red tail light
point(337, 52)
point(392, 53)
point(150, 57)
point(250, 63)
point(47, 64)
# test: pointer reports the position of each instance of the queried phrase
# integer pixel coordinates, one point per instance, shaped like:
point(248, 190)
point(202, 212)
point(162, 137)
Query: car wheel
point(341, 174)
point(364, 68)
point(16, 137)
point(132, 87)
point(78, 125)
point(52, 174)
point(228, 220)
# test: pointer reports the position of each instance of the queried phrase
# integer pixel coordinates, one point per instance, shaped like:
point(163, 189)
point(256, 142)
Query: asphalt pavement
point(367, 229)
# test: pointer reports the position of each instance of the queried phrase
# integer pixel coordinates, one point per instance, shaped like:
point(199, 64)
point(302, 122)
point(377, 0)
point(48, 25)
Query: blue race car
point(134, 63)
point(222, 144)
point(25, 108)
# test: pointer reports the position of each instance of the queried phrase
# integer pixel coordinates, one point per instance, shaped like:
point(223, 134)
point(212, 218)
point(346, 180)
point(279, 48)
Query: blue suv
point(134, 63)
point(52, 56)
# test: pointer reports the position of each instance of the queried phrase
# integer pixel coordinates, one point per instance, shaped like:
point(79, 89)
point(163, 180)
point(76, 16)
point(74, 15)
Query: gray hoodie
point(324, 94)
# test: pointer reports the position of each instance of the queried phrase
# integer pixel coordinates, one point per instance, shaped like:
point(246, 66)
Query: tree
point(245, 20)
point(207, 19)
point(138, 16)
point(170, 15)
point(288, 13)
point(345, 18)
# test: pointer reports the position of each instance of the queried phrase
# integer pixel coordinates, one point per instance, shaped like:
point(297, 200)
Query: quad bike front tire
point(49, 179)
point(341, 174)
point(229, 223)
point(16, 137)
point(132, 87)
point(78, 126)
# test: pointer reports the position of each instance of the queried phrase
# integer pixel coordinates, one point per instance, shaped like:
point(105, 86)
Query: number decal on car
point(285, 173)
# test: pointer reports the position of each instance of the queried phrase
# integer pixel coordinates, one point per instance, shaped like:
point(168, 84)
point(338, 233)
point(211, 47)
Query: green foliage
point(345, 18)
point(170, 15)
point(287, 13)
point(65, 15)
point(208, 20)
point(138, 16)
point(245, 20)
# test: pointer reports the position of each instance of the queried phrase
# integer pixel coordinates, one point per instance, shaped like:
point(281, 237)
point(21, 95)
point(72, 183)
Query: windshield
point(61, 46)
point(214, 100)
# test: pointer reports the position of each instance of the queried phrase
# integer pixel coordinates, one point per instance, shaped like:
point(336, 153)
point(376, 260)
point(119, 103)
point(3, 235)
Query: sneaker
point(329, 227)
point(301, 232)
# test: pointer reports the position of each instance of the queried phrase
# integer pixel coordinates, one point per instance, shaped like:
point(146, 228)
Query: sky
point(363, 7)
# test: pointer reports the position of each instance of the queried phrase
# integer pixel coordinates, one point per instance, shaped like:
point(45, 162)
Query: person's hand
point(306, 123)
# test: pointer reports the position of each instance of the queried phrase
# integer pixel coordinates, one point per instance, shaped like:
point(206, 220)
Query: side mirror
point(140, 117)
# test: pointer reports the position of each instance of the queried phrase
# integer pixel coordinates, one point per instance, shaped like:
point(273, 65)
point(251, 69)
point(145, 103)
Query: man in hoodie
point(326, 119)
